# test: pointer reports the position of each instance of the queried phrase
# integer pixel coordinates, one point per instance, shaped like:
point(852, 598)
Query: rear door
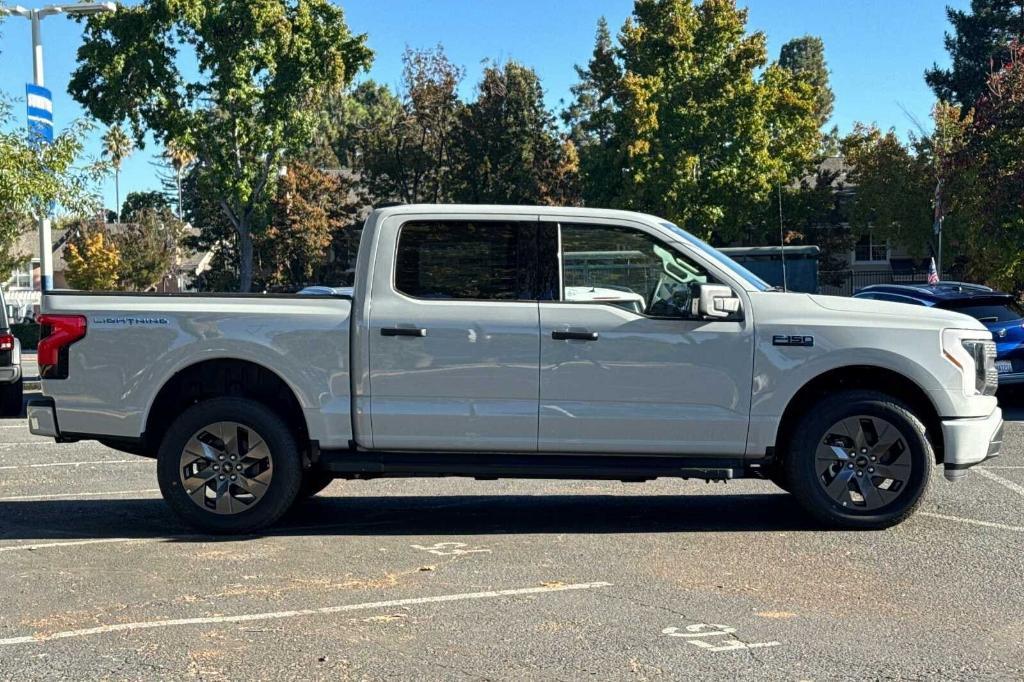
point(454, 336)
point(622, 375)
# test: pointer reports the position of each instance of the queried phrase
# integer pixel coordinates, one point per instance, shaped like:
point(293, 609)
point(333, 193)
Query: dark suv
point(998, 311)
point(10, 367)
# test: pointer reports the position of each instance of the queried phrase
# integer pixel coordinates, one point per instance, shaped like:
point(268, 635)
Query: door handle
point(402, 331)
point(574, 336)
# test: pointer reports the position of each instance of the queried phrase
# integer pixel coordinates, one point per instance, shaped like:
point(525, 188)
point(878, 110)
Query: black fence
point(846, 282)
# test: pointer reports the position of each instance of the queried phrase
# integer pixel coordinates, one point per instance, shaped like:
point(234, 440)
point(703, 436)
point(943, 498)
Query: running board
point(490, 466)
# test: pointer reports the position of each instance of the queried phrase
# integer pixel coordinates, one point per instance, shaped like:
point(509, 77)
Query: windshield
point(721, 258)
point(990, 313)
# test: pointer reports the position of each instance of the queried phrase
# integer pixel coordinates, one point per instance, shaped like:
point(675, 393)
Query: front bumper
point(970, 441)
point(10, 375)
point(42, 418)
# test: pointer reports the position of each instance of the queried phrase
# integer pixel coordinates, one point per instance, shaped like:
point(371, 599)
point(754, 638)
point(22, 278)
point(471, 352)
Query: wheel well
point(220, 378)
point(861, 377)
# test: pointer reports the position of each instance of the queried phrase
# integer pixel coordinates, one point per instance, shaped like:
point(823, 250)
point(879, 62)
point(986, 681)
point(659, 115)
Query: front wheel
point(229, 465)
point(859, 459)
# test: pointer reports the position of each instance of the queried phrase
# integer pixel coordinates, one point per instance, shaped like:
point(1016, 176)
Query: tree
point(180, 157)
point(137, 202)
point(117, 147)
point(93, 261)
point(988, 182)
point(148, 247)
point(706, 132)
point(309, 210)
point(507, 148)
point(264, 68)
point(805, 58)
point(399, 144)
point(978, 46)
point(34, 176)
point(591, 121)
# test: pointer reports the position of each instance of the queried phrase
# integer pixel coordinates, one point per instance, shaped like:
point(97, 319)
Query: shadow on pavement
point(422, 515)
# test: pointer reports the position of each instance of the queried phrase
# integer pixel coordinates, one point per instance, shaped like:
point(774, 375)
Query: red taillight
point(6, 342)
point(59, 332)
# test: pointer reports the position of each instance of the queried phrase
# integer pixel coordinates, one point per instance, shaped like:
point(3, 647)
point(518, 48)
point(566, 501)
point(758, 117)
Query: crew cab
point(491, 341)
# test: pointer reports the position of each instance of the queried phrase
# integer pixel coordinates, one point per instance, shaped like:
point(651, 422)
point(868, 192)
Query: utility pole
point(36, 16)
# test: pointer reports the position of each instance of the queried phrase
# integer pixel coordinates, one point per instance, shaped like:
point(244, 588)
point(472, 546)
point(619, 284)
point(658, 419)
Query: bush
point(28, 334)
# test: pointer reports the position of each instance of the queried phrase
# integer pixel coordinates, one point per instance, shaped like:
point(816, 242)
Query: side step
point(490, 466)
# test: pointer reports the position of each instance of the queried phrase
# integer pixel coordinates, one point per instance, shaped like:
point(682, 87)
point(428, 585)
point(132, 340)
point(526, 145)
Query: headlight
point(974, 353)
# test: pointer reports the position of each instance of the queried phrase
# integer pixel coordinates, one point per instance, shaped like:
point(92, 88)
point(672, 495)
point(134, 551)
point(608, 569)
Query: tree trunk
point(117, 194)
point(244, 257)
point(178, 177)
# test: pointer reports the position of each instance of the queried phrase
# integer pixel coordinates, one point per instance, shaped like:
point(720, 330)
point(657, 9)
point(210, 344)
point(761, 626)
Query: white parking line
point(7, 467)
point(60, 496)
point(277, 615)
point(1006, 483)
point(973, 522)
point(48, 545)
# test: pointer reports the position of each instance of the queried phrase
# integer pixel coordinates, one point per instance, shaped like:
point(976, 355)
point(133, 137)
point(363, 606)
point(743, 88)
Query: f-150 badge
point(792, 340)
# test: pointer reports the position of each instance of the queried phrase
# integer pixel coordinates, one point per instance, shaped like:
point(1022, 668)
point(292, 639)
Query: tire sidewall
point(801, 466)
point(284, 483)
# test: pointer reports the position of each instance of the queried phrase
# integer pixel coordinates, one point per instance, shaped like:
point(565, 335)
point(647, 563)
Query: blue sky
point(877, 50)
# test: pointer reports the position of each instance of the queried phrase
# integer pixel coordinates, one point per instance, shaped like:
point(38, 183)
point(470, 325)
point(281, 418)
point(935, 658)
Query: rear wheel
point(229, 465)
point(11, 398)
point(860, 459)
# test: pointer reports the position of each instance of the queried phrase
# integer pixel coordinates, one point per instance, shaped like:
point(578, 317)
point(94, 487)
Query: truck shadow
point(421, 516)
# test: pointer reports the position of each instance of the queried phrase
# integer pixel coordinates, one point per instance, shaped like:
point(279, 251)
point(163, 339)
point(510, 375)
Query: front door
point(626, 365)
point(454, 338)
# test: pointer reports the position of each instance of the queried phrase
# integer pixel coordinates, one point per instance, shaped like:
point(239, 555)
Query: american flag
point(933, 275)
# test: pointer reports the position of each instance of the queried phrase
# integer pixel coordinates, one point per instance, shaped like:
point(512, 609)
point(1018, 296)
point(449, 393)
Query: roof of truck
point(499, 209)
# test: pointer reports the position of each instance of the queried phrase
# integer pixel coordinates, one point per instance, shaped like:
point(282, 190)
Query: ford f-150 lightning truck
point(530, 342)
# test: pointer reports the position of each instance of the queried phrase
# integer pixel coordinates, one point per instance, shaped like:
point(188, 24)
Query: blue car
point(998, 311)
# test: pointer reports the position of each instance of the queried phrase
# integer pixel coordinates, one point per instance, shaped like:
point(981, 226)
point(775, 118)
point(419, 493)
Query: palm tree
point(180, 158)
point(117, 146)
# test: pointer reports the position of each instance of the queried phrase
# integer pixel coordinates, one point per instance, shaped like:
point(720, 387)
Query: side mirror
point(716, 301)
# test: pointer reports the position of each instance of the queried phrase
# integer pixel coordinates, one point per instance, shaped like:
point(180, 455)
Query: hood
point(913, 314)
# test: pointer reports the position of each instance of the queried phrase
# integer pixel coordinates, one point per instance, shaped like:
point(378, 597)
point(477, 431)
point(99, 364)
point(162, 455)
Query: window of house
point(21, 277)
point(472, 260)
point(628, 268)
point(871, 250)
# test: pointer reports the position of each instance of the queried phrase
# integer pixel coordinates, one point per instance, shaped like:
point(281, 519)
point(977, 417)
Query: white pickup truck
point(529, 342)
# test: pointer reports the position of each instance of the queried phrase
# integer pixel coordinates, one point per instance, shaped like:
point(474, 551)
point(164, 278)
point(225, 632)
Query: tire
point(12, 399)
point(197, 454)
point(778, 476)
point(855, 491)
point(313, 482)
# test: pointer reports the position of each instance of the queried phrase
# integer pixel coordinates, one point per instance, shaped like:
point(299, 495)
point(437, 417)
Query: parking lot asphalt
point(459, 579)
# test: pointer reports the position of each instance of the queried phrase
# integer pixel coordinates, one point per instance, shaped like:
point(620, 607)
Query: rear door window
point(468, 260)
point(992, 312)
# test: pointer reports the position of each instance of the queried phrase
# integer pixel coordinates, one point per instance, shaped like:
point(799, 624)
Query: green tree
point(707, 132)
point(180, 157)
point(591, 120)
point(148, 246)
point(264, 68)
point(978, 46)
point(34, 176)
point(507, 148)
point(117, 147)
point(93, 260)
point(136, 202)
point(988, 182)
point(805, 57)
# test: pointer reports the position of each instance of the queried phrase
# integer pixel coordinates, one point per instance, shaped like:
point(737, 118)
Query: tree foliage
point(805, 57)
point(93, 261)
point(704, 129)
point(978, 47)
point(117, 147)
point(149, 247)
point(507, 148)
point(264, 67)
point(137, 202)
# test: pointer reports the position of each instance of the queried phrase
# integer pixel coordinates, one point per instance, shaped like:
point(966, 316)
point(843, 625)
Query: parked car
point(999, 312)
point(460, 352)
point(11, 382)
